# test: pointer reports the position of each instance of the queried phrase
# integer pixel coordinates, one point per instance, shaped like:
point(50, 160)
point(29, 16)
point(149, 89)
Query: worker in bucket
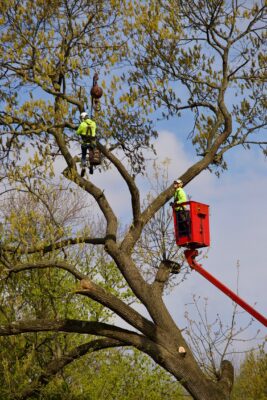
point(182, 215)
point(87, 131)
point(179, 195)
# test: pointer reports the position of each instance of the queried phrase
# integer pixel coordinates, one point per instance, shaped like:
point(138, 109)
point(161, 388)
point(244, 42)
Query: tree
point(212, 50)
point(28, 363)
point(251, 378)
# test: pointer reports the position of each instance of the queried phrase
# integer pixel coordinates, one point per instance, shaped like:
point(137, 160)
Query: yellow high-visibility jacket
point(179, 197)
point(87, 128)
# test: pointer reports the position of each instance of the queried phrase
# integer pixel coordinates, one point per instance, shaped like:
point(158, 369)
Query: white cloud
point(167, 146)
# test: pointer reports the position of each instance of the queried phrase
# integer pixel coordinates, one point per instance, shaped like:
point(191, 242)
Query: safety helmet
point(84, 115)
point(178, 181)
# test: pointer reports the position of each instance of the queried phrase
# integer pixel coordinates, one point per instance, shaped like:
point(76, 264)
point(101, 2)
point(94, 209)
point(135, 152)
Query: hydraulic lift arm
point(190, 255)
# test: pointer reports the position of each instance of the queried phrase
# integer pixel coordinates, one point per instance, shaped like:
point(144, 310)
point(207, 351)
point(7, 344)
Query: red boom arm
point(190, 255)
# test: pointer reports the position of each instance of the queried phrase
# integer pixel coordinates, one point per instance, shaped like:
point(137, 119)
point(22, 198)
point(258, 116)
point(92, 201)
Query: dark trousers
point(88, 144)
point(183, 222)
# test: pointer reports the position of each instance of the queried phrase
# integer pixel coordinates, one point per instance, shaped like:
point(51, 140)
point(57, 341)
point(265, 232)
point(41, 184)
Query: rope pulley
point(96, 93)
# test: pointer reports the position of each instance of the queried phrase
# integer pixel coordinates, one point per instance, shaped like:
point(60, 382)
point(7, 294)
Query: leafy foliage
point(252, 377)
point(114, 374)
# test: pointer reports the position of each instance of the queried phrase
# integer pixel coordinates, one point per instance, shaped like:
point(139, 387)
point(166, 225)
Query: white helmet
point(84, 115)
point(178, 181)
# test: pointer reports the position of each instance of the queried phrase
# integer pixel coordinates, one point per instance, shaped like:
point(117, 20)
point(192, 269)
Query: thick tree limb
point(177, 365)
point(127, 313)
point(47, 264)
point(92, 328)
point(98, 194)
point(165, 268)
point(96, 293)
point(227, 376)
point(135, 195)
point(47, 248)
point(71, 326)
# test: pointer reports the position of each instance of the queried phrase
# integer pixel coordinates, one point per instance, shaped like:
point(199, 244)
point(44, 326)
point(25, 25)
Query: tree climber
point(87, 130)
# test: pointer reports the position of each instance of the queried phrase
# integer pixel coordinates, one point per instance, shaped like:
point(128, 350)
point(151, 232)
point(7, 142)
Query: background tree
point(251, 377)
point(116, 374)
point(214, 50)
point(44, 293)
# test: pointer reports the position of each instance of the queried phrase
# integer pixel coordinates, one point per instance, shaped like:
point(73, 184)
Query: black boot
point(82, 172)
